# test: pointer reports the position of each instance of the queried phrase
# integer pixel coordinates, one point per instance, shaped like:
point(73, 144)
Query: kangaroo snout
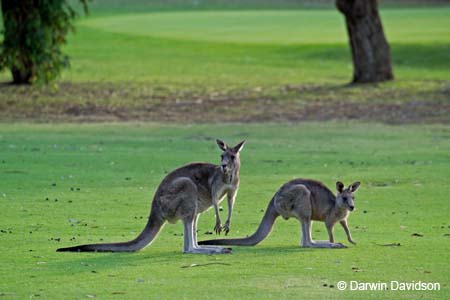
point(351, 208)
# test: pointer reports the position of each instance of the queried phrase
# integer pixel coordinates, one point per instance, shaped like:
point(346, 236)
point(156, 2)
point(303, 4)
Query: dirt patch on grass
point(96, 102)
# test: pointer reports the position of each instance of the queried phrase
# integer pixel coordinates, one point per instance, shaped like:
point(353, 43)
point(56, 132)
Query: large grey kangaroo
point(184, 194)
point(305, 200)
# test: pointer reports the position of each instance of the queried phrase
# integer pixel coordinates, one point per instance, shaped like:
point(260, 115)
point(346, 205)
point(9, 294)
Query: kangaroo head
point(345, 198)
point(230, 156)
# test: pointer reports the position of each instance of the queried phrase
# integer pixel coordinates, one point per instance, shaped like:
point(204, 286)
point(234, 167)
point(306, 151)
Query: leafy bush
point(34, 31)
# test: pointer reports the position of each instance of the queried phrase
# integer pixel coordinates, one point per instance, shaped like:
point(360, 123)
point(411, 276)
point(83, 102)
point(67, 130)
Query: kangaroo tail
point(151, 230)
point(261, 233)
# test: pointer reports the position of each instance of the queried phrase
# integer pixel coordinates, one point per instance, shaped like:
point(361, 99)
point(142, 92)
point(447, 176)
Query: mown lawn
point(63, 185)
point(145, 65)
point(249, 48)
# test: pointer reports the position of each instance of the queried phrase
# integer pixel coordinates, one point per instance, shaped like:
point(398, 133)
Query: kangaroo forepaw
point(218, 228)
point(226, 229)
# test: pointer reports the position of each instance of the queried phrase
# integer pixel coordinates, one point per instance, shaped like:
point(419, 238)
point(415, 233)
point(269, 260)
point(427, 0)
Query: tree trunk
point(370, 49)
point(15, 16)
point(21, 75)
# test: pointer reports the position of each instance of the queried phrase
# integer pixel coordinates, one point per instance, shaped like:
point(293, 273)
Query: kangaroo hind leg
point(205, 247)
point(190, 241)
point(297, 199)
point(308, 242)
point(303, 211)
point(184, 206)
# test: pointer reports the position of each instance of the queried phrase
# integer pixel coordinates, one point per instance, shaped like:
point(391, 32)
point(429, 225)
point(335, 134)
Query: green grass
point(119, 6)
point(403, 170)
point(100, 7)
point(278, 27)
point(244, 49)
point(250, 48)
point(129, 60)
point(62, 185)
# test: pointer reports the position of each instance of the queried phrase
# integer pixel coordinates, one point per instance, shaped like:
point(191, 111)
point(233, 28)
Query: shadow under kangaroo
point(306, 200)
point(184, 194)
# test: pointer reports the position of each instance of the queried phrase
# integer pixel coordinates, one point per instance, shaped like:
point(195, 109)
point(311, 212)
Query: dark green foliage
point(34, 31)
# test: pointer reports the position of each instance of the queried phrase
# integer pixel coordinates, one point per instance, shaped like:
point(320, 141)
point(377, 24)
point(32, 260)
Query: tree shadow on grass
point(6, 84)
point(432, 56)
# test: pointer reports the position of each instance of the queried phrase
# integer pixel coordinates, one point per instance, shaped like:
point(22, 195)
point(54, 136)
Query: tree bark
point(15, 16)
point(370, 50)
point(21, 75)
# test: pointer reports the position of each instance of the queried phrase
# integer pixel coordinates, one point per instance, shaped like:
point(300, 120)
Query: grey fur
point(183, 195)
point(306, 200)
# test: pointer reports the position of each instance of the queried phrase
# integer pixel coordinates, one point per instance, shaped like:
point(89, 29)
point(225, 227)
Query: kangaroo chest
point(205, 199)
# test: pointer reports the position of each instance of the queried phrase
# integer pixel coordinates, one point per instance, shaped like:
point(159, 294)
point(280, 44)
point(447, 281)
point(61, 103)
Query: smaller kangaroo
point(306, 200)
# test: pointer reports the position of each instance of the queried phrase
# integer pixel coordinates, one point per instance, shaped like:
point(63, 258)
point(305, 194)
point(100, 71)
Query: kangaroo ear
point(222, 145)
point(239, 147)
point(339, 186)
point(354, 186)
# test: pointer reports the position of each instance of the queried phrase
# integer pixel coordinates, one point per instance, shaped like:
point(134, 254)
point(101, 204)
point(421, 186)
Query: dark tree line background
point(35, 30)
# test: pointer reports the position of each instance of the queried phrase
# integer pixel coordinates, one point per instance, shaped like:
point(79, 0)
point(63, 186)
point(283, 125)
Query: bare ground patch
point(97, 102)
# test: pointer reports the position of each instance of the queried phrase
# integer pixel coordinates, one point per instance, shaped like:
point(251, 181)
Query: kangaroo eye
point(344, 199)
point(233, 157)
